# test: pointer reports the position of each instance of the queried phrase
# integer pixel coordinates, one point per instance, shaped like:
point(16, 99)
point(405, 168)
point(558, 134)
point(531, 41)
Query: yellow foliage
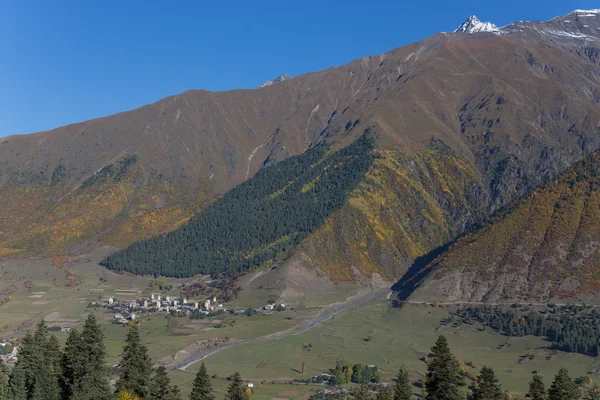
point(393, 216)
point(124, 395)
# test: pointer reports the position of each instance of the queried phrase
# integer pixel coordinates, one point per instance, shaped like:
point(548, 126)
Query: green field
point(262, 390)
point(372, 334)
point(396, 336)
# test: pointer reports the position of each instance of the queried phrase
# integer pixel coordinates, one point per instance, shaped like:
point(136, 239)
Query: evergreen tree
point(83, 362)
point(443, 378)
point(49, 372)
point(3, 381)
point(17, 384)
point(236, 388)
point(93, 386)
point(161, 388)
point(72, 363)
point(36, 374)
point(537, 391)
point(487, 386)
point(135, 367)
point(362, 392)
point(93, 345)
point(563, 387)
point(202, 387)
point(174, 393)
point(384, 393)
point(23, 378)
point(403, 388)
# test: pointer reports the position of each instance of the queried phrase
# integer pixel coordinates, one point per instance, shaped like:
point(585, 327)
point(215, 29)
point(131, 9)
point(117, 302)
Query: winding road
point(324, 315)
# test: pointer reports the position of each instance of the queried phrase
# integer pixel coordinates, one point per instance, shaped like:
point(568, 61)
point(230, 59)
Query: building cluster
point(126, 311)
point(8, 352)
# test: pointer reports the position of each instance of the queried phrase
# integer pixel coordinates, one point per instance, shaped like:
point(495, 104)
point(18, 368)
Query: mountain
point(258, 219)
point(473, 25)
point(464, 124)
point(280, 78)
point(544, 247)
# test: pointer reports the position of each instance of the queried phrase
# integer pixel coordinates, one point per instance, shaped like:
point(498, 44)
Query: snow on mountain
point(473, 24)
point(586, 13)
point(280, 78)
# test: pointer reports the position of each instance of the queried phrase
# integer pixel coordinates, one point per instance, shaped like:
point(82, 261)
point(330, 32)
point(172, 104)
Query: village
point(158, 303)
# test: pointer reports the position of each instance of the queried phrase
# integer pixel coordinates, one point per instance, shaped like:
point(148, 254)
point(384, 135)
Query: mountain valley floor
point(371, 332)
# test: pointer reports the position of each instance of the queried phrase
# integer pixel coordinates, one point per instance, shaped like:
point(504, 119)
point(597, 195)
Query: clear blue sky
point(68, 61)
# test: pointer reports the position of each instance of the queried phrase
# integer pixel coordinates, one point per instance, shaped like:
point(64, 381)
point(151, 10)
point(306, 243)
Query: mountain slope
point(257, 220)
point(545, 246)
point(513, 107)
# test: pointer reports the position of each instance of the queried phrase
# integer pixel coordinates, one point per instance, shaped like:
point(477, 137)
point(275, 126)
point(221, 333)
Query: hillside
point(545, 246)
point(257, 220)
point(511, 107)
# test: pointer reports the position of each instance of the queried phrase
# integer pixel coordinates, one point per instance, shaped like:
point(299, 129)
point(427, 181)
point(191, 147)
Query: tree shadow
point(417, 272)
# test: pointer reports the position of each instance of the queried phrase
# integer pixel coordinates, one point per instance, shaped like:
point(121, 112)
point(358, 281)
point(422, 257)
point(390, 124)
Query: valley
point(322, 234)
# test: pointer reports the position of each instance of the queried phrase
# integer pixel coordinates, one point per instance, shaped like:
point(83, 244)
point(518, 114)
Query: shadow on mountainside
point(417, 272)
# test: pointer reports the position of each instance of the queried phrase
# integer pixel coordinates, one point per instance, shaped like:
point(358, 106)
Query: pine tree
point(49, 372)
point(174, 393)
point(17, 384)
point(202, 387)
point(236, 388)
point(72, 363)
point(443, 378)
point(3, 381)
point(135, 366)
point(93, 344)
point(384, 393)
point(403, 388)
point(23, 377)
point(93, 386)
point(563, 387)
point(487, 386)
point(161, 388)
point(537, 391)
point(83, 362)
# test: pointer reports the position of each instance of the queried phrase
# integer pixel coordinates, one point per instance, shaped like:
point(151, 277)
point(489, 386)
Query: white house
point(269, 307)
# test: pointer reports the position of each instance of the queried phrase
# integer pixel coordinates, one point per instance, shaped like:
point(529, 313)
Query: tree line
point(571, 328)
point(444, 381)
point(258, 219)
point(78, 372)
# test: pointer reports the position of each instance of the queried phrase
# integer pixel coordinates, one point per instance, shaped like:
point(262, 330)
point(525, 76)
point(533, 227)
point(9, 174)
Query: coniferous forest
point(258, 219)
point(570, 328)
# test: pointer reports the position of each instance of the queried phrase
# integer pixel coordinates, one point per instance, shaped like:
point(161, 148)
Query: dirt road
point(325, 314)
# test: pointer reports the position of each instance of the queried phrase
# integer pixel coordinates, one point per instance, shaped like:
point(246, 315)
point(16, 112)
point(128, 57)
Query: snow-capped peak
point(473, 24)
point(280, 78)
point(586, 13)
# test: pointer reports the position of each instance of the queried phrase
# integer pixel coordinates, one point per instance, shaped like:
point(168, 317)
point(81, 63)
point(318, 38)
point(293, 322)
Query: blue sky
point(69, 61)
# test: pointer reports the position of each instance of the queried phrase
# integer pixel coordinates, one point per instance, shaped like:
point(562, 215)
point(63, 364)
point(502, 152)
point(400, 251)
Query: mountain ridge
point(512, 108)
point(542, 248)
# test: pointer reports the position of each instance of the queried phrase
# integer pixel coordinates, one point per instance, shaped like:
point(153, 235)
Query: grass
point(398, 336)
point(262, 391)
